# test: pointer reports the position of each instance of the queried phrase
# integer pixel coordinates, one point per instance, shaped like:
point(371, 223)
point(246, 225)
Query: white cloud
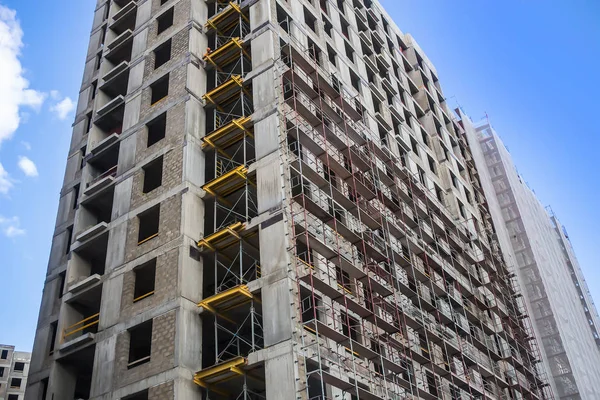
point(63, 108)
point(54, 94)
point(5, 181)
point(14, 88)
point(27, 166)
point(11, 227)
point(27, 145)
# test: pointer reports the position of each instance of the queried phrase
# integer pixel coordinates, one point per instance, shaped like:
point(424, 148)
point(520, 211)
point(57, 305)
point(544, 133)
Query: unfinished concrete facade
point(14, 367)
point(535, 242)
point(269, 199)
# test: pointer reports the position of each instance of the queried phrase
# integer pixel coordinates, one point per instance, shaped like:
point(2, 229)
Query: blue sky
point(55, 40)
point(531, 65)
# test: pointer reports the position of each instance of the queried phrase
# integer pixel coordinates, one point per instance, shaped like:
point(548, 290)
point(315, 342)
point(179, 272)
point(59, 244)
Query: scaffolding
point(398, 299)
point(230, 306)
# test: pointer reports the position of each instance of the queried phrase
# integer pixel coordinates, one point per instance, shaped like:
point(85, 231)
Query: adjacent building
point(556, 294)
point(270, 199)
point(14, 367)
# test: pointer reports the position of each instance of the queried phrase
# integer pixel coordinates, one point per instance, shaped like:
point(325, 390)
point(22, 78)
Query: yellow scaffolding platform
point(226, 18)
point(226, 54)
point(225, 91)
point(227, 183)
point(228, 134)
point(223, 238)
point(224, 301)
point(219, 373)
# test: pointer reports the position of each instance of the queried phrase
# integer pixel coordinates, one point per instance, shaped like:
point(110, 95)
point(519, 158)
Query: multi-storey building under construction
point(533, 240)
point(270, 199)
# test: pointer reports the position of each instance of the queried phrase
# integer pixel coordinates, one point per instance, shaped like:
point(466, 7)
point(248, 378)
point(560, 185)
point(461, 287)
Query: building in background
point(14, 367)
point(556, 294)
point(270, 199)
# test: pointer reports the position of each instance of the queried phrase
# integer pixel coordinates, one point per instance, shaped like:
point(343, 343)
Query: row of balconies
point(451, 317)
point(419, 350)
point(402, 185)
point(325, 203)
point(79, 318)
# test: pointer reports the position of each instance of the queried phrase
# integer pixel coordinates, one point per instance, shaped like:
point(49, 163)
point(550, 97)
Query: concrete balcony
point(101, 182)
point(120, 41)
point(403, 138)
point(111, 106)
point(389, 85)
point(115, 81)
point(371, 63)
point(124, 19)
point(91, 232)
point(84, 283)
point(361, 15)
point(378, 37)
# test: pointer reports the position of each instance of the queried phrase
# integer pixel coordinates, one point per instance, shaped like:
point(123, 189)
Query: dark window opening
point(327, 27)
point(331, 55)
point(469, 197)
point(53, 329)
point(349, 51)
point(153, 175)
point(69, 239)
point(355, 80)
point(148, 224)
point(88, 122)
point(343, 279)
point(1, 372)
point(350, 327)
point(310, 20)
point(314, 51)
point(44, 388)
point(461, 209)
point(454, 180)
point(61, 284)
point(75, 196)
point(94, 89)
point(162, 54)
point(323, 4)
point(160, 89)
point(165, 21)
point(421, 175)
point(15, 383)
point(140, 344)
point(432, 166)
point(82, 155)
point(335, 83)
point(98, 60)
point(143, 395)
point(103, 36)
point(414, 146)
point(13, 397)
point(145, 276)
point(19, 366)
point(310, 311)
point(162, 3)
point(345, 26)
point(157, 129)
point(329, 176)
point(283, 19)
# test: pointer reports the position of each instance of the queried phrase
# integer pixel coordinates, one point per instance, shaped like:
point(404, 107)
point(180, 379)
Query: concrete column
point(104, 360)
point(280, 376)
point(277, 295)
